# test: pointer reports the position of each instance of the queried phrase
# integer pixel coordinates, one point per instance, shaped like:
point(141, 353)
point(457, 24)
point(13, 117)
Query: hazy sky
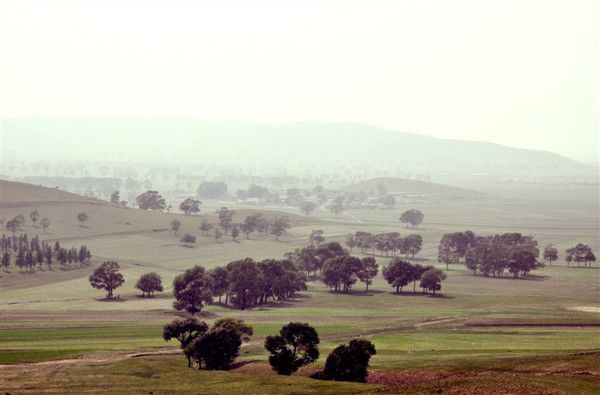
point(521, 73)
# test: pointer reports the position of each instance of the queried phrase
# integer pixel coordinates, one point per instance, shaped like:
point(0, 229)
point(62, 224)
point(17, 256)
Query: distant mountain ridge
point(286, 147)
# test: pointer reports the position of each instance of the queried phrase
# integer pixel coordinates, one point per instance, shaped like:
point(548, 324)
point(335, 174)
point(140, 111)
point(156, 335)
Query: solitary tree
point(185, 330)
point(349, 362)
point(45, 223)
point(294, 347)
point(107, 277)
point(188, 239)
point(151, 200)
point(175, 225)
point(191, 290)
point(34, 215)
point(82, 217)
point(413, 217)
point(190, 206)
point(115, 197)
point(550, 253)
point(149, 283)
point(432, 280)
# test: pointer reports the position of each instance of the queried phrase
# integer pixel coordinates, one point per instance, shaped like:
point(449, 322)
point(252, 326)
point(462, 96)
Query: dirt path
point(90, 360)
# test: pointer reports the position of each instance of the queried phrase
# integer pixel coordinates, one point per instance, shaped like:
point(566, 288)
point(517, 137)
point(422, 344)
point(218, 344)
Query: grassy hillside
point(403, 185)
point(503, 335)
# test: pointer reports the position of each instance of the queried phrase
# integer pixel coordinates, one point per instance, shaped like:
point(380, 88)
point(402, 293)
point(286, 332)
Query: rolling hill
point(402, 185)
point(105, 218)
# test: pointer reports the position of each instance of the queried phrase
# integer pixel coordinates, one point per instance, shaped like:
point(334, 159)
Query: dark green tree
point(191, 290)
point(149, 283)
point(294, 347)
point(106, 277)
point(185, 331)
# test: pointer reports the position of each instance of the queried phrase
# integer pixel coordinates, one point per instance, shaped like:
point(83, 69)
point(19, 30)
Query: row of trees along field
point(18, 222)
point(508, 252)
point(385, 244)
point(28, 253)
point(296, 345)
point(257, 224)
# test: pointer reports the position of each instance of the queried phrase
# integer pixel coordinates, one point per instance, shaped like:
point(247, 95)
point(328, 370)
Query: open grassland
point(510, 335)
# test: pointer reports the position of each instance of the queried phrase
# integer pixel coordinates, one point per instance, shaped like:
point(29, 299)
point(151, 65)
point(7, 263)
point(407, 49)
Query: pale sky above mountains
point(520, 73)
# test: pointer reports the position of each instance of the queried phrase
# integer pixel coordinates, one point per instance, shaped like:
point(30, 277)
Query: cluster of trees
point(399, 273)
point(333, 263)
point(385, 244)
point(580, 253)
point(190, 206)
point(244, 283)
point(254, 223)
point(216, 347)
point(507, 252)
point(28, 253)
point(16, 224)
point(108, 278)
point(412, 217)
point(211, 348)
point(453, 246)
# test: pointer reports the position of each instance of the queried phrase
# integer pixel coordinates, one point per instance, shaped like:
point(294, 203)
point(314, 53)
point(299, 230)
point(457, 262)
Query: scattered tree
point(82, 217)
point(175, 225)
point(190, 206)
point(188, 239)
point(115, 197)
point(45, 223)
point(550, 253)
point(107, 277)
point(349, 362)
point(151, 200)
point(225, 218)
point(294, 347)
point(413, 217)
point(149, 283)
point(34, 215)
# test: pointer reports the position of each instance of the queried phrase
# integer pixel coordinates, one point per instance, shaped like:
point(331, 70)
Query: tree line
point(385, 244)
point(399, 273)
point(511, 253)
point(258, 224)
point(27, 253)
point(16, 224)
point(296, 345)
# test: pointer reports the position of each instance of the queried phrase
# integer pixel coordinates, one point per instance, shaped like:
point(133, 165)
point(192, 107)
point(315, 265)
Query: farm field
point(544, 331)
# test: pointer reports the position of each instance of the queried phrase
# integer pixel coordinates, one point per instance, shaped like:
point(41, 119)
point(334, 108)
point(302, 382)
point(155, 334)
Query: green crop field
point(58, 334)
